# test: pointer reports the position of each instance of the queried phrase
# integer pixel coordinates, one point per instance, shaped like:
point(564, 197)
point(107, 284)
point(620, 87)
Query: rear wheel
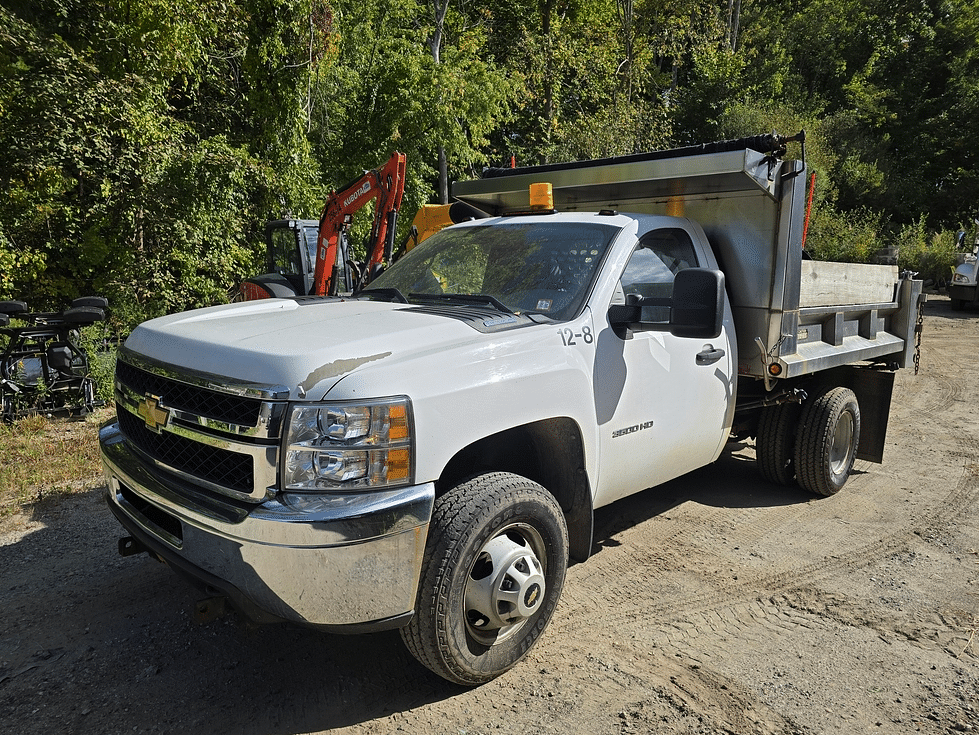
point(493, 572)
point(775, 446)
point(826, 446)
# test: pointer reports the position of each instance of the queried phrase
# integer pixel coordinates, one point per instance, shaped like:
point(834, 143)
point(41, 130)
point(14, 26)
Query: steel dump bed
point(797, 315)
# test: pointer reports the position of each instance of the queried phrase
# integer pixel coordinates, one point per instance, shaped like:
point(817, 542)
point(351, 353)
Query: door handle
point(709, 355)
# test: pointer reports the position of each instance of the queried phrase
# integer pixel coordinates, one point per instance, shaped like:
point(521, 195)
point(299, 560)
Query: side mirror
point(698, 303)
point(696, 308)
point(624, 317)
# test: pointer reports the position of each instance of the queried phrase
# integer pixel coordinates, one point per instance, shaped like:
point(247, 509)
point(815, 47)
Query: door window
point(285, 254)
point(658, 257)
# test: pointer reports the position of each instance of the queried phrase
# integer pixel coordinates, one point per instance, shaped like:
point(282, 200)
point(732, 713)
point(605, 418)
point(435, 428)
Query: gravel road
point(715, 604)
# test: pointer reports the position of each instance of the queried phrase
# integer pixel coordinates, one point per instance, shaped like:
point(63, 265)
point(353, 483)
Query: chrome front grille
point(231, 409)
point(222, 467)
point(208, 431)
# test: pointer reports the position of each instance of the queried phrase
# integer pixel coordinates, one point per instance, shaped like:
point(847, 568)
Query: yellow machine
point(431, 218)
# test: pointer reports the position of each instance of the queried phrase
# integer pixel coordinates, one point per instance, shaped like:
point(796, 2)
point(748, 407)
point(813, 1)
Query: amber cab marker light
point(541, 197)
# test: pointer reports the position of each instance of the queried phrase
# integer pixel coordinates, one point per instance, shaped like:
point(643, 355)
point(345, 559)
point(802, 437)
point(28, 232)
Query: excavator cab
point(292, 251)
point(290, 261)
point(310, 257)
point(300, 266)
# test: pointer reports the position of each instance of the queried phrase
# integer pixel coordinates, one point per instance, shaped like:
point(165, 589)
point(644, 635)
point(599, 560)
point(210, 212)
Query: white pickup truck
point(964, 288)
point(429, 453)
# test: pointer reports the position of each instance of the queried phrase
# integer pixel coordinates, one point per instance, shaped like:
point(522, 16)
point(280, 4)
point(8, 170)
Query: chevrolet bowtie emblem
point(155, 415)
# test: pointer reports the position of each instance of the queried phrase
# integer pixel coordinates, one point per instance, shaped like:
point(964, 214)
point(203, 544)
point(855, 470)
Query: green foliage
point(100, 346)
point(597, 77)
point(930, 255)
point(16, 264)
point(845, 237)
point(142, 146)
point(898, 86)
point(398, 89)
point(619, 129)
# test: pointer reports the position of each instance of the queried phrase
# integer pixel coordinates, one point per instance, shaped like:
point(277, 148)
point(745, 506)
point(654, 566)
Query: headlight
point(959, 278)
point(335, 446)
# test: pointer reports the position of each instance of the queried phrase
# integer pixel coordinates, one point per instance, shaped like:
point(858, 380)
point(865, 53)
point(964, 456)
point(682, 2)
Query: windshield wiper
point(387, 294)
point(479, 299)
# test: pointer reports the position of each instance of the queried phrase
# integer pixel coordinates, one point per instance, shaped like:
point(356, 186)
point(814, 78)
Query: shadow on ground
point(93, 642)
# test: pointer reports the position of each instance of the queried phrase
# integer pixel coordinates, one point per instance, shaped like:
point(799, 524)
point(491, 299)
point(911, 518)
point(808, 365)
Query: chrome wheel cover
point(842, 449)
point(505, 585)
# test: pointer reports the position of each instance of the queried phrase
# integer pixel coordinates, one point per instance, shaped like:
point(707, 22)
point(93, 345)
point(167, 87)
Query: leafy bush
point(101, 346)
point(146, 178)
point(845, 237)
point(930, 255)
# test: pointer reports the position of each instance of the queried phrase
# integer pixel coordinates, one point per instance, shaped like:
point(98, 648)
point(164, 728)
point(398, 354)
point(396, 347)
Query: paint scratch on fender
point(335, 369)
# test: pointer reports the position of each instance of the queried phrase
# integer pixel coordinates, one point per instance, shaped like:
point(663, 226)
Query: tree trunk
point(443, 177)
point(439, 9)
point(733, 23)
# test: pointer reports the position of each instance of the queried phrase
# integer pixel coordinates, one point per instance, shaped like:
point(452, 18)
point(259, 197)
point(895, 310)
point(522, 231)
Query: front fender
point(489, 385)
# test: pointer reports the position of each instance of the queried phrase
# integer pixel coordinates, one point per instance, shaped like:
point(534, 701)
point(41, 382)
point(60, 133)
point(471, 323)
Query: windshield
point(529, 267)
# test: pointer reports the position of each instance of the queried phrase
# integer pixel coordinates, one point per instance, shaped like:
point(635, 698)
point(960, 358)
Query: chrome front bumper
point(351, 562)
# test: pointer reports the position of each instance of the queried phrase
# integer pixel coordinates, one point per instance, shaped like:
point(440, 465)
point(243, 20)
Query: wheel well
point(549, 452)
point(873, 389)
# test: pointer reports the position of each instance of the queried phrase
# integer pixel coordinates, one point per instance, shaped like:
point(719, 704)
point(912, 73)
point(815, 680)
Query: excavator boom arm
point(386, 185)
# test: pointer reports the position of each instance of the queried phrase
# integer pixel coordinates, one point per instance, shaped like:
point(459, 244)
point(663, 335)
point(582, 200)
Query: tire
point(493, 571)
point(12, 307)
point(826, 446)
point(958, 304)
point(83, 315)
point(775, 446)
point(99, 302)
point(267, 286)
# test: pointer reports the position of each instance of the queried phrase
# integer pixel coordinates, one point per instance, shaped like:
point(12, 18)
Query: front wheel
point(826, 446)
point(493, 572)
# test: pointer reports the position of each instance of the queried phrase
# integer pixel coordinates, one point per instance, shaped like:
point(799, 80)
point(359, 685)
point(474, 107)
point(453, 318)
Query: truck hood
point(303, 347)
point(965, 272)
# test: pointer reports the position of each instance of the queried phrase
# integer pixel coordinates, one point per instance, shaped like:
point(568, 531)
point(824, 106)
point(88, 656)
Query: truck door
point(662, 401)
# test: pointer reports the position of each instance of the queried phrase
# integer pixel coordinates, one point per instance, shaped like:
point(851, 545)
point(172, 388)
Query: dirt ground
point(715, 604)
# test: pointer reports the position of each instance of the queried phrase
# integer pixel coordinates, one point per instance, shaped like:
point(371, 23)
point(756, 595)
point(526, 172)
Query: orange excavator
point(298, 268)
point(311, 258)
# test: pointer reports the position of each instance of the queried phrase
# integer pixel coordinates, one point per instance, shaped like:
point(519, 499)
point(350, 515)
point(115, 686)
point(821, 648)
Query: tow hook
point(209, 609)
point(128, 546)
